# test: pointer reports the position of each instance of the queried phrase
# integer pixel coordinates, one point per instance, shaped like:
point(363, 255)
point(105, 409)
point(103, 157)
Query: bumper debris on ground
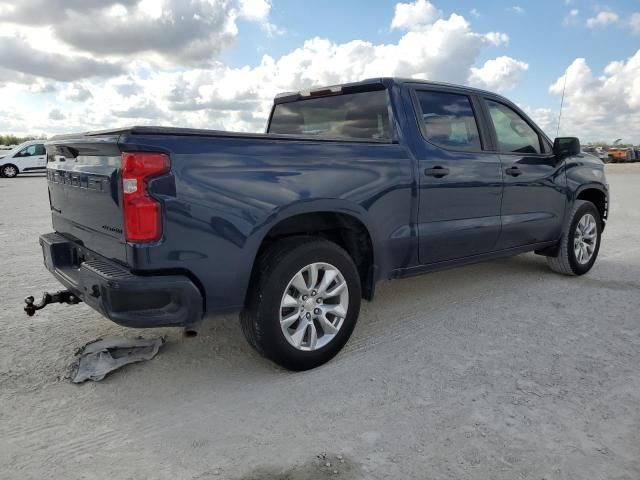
point(100, 357)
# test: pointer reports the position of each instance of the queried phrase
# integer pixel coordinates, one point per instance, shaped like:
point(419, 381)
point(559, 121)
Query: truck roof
point(378, 83)
point(371, 84)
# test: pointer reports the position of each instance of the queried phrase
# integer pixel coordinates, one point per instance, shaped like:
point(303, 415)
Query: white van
point(25, 158)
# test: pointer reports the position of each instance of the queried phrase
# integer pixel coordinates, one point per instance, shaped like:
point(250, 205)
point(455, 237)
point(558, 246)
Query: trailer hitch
point(63, 296)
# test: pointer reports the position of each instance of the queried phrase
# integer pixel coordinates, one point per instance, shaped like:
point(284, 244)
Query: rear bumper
point(127, 299)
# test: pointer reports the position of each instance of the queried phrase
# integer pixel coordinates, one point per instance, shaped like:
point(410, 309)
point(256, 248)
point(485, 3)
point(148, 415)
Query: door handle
point(513, 171)
point(437, 172)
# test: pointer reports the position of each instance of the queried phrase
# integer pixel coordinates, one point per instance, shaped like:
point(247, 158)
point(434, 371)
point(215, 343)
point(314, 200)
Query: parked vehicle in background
point(351, 185)
point(27, 157)
point(622, 154)
point(599, 152)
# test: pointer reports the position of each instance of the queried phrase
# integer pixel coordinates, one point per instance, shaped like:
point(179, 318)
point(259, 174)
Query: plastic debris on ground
point(100, 357)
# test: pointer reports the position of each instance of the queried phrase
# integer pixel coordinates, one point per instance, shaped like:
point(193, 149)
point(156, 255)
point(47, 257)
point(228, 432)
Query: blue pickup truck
point(350, 185)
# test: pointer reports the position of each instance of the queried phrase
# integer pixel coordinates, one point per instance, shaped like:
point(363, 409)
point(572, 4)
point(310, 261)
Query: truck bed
point(198, 132)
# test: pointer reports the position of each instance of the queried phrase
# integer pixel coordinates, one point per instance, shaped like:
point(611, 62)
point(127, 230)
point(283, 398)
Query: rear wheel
point(580, 241)
point(303, 303)
point(9, 171)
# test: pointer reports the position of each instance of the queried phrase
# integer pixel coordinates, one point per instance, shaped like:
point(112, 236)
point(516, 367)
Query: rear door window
point(447, 119)
point(362, 115)
point(513, 132)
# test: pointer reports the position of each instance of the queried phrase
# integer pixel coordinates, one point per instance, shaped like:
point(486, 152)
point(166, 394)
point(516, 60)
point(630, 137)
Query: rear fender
point(343, 207)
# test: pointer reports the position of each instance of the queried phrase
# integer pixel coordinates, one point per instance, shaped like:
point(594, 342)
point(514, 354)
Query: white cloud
point(475, 12)
point(571, 18)
point(502, 73)
point(56, 115)
point(603, 18)
point(517, 9)
point(168, 32)
point(18, 56)
point(256, 10)
point(409, 16)
point(497, 38)
point(601, 107)
point(216, 96)
point(545, 118)
point(77, 92)
point(635, 22)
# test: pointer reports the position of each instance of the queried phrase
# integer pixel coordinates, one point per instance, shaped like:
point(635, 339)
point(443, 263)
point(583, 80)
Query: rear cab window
point(362, 115)
point(447, 119)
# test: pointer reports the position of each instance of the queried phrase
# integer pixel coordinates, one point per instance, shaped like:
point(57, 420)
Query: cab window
point(29, 151)
point(513, 133)
point(447, 119)
point(363, 115)
point(40, 149)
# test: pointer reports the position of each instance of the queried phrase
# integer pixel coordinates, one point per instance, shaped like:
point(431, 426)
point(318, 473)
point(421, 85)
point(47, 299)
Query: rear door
point(460, 182)
point(534, 197)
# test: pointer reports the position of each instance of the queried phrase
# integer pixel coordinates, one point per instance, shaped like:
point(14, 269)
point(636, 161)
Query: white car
point(25, 158)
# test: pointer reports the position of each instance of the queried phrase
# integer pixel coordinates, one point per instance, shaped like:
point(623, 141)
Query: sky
point(78, 65)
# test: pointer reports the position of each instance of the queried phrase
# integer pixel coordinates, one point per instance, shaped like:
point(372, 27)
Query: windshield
point(361, 115)
point(14, 150)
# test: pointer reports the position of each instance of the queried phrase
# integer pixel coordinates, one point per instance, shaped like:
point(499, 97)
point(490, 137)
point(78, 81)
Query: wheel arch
point(597, 195)
point(348, 228)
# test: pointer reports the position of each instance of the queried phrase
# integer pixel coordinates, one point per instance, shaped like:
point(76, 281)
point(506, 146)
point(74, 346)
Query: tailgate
point(85, 194)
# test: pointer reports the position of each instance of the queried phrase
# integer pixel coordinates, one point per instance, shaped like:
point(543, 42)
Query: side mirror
point(566, 146)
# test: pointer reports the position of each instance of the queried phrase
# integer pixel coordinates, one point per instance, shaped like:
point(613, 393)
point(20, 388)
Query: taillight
point(142, 214)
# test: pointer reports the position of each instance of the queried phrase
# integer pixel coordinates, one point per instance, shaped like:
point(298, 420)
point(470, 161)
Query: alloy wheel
point(314, 306)
point(585, 238)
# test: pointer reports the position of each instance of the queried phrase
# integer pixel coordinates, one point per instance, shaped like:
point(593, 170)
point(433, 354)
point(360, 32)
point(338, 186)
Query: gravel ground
point(502, 370)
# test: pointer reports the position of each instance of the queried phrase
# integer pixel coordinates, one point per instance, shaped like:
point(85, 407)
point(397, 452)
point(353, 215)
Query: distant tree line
point(610, 144)
point(15, 140)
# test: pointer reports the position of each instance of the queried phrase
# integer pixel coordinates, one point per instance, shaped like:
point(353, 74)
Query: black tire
point(260, 318)
point(10, 171)
point(566, 262)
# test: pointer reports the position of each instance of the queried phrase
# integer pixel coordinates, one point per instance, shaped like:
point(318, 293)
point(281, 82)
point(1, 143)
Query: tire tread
point(249, 314)
point(561, 263)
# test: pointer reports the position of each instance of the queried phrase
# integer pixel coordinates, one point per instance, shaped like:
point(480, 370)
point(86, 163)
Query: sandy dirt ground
point(501, 370)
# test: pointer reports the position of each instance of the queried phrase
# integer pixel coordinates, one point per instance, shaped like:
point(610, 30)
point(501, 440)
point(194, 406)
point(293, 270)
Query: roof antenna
point(566, 74)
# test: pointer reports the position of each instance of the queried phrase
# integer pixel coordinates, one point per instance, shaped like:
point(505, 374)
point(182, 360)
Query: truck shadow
point(220, 343)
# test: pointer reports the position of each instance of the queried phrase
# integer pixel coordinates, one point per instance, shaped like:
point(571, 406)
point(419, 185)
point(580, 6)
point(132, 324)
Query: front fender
point(586, 172)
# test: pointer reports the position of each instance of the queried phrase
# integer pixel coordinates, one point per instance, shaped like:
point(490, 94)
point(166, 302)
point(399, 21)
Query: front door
point(31, 157)
point(460, 183)
point(534, 198)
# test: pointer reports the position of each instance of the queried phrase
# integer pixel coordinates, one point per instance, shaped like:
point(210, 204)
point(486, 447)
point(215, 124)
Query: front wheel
point(303, 303)
point(580, 241)
point(9, 171)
